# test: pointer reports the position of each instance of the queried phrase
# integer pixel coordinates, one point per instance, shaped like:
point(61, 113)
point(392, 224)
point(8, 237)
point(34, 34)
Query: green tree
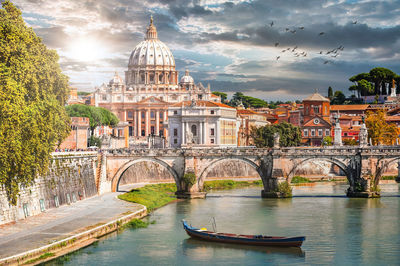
point(290, 135)
point(330, 93)
point(338, 98)
point(380, 76)
point(32, 94)
point(223, 96)
point(98, 116)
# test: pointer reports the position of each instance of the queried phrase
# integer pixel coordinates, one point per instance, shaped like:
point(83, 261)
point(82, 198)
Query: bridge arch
point(385, 165)
point(212, 164)
point(117, 177)
point(336, 162)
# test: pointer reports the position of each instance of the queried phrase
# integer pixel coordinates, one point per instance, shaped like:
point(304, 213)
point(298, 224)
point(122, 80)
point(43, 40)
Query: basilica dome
point(151, 51)
point(187, 79)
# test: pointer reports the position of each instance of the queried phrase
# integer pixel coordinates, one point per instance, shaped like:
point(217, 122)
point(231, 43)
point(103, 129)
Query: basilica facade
point(150, 87)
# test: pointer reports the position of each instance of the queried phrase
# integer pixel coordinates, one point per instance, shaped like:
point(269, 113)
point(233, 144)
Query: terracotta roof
point(202, 103)
point(316, 97)
point(246, 112)
point(393, 118)
point(214, 96)
point(349, 107)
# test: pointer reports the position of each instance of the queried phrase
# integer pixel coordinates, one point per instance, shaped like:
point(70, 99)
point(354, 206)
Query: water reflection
point(204, 250)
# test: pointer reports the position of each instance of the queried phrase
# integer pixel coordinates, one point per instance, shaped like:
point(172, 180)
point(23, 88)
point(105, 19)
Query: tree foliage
point(223, 95)
point(98, 116)
point(247, 101)
point(330, 93)
point(290, 135)
point(379, 130)
point(374, 82)
point(32, 94)
point(338, 98)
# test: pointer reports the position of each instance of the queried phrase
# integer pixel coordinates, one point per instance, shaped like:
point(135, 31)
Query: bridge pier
point(190, 184)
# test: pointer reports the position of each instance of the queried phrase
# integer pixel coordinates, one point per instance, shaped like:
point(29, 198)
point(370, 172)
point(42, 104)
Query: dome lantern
point(151, 33)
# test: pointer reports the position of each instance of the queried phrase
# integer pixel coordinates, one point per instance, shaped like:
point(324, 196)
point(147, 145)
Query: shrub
point(189, 179)
point(285, 189)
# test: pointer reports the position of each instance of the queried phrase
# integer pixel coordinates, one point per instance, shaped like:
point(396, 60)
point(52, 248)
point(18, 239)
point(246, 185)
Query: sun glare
point(85, 49)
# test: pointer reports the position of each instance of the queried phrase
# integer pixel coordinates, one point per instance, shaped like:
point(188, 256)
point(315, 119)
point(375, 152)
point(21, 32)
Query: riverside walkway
point(60, 223)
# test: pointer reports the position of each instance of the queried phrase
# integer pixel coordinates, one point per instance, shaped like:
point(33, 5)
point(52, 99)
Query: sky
point(273, 50)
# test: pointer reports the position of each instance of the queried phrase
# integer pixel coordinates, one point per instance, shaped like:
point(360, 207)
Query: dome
point(151, 51)
point(187, 78)
point(116, 80)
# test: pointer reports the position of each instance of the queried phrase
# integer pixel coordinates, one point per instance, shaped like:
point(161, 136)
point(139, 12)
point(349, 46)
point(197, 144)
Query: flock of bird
point(297, 53)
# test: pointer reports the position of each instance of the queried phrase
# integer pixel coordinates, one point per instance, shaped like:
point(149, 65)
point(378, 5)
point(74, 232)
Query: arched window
point(194, 130)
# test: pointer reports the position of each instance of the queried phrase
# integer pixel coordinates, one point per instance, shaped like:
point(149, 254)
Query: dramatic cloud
point(271, 49)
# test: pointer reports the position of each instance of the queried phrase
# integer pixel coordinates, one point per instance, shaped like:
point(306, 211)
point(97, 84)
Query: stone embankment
point(65, 229)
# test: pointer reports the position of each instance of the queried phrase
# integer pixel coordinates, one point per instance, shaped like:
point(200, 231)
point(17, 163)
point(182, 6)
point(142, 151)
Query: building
point(249, 119)
point(150, 87)
point(316, 120)
point(202, 123)
point(78, 137)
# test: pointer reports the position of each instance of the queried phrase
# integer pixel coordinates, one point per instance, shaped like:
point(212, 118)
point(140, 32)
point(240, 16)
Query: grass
point(151, 196)
point(388, 177)
point(137, 223)
point(299, 179)
point(229, 184)
point(158, 195)
point(42, 257)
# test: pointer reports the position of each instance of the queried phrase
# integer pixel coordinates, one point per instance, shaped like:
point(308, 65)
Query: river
point(338, 230)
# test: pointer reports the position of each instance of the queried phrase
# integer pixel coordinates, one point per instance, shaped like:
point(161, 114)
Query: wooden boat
point(258, 240)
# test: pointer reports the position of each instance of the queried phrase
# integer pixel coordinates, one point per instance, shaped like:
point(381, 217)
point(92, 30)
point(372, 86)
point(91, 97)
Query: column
point(157, 122)
point(217, 132)
point(124, 115)
point(183, 133)
point(205, 129)
point(147, 123)
point(139, 129)
point(134, 123)
point(201, 133)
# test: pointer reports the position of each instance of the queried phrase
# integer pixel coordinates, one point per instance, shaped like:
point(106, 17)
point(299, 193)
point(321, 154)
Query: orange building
point(78, 137)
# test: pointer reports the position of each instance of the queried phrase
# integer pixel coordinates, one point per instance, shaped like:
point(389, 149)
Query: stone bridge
point(363, 166)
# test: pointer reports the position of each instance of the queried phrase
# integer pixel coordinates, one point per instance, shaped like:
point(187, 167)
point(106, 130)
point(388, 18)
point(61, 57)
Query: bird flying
point(276, 44)
point(321, 33)
point(272, 23)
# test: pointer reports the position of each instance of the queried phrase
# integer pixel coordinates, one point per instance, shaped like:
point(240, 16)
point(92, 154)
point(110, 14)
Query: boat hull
point(244, 239)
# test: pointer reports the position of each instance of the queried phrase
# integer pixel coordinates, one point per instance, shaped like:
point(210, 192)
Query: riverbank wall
point(71, 177)
point(74, 242)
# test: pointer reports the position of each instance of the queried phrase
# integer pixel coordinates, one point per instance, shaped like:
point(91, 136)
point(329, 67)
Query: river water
point(338, 230)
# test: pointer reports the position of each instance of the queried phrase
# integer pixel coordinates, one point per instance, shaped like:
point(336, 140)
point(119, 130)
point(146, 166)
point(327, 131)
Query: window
point(104, 97)
point(212, 141)
point(305, 132)
point(327, 133)
point(42, 207)
point(152, 114)
point(143, 115)
point(161, 115)
point(152, 78)
point(175, 112)
point(160, 78)
point(119, 98)
point(143, 133)
point(142, 78)
point(319, 132)
point(175, 132)
point(194, 130)
point(175, 141)
point(212, 112)
point(152, 130)
point(212, 132)
point(312, 132)
point(130, 114)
